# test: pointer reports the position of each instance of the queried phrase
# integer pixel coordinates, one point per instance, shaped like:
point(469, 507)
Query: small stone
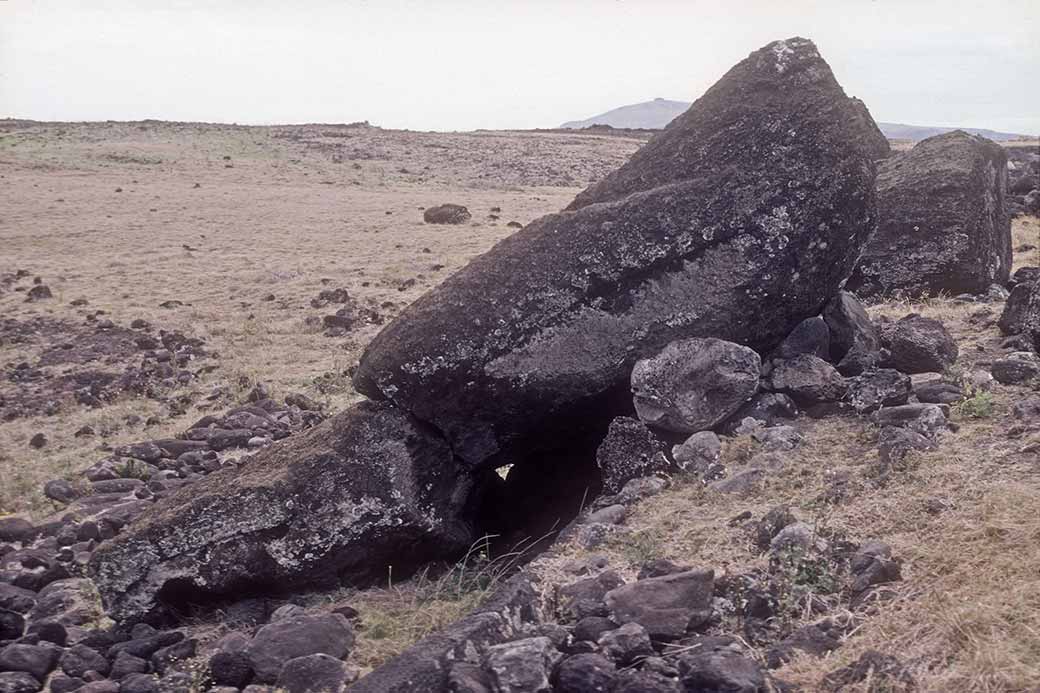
point(316, 673)
point(666, 606)
point(610, 515)
point(697, 452)
point(447, 214)
point(522, 666)
point(626, 644)
point(298, 636)
point(808, 380)
point(1017, 367)
point(584, 673)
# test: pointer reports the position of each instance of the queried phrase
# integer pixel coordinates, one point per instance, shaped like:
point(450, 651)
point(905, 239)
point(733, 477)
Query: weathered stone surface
point(447, 214)
point(810, 336)
point(1016, 367)
point(929, 420)
point(586, 597)
point(918, 345)
point(808, 380)
point(627, 643)
point(16, 529)
point(629, 451)
point(1021, 314)
point(522, 666)
point(697, 452)
point(37, 660)
point(694, 384)
point(315, 673)
point(895, 443)
point(770, 408)
point(854, 342)
point(666, 606)
point(942, 223)
point(721, 670)
point(297, 636)
point(365, 489)
point(738, 221)
point(872, 390)
point(585, 673)
point(18, 682)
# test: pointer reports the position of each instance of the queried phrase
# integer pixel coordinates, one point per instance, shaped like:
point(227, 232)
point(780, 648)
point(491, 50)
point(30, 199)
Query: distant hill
point(649, 115)
point(654, 115)
point(899, 131)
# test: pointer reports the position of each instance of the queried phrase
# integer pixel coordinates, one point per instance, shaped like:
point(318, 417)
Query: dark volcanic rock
point(18, 682)
point(629, 451)
point(298, 636)
point(365, 489)
point(942, 224)
point(771, 408)
point(694, 384)
point(666, 606)
point(583, 673)
point(918, 345)
point(1017, 367)
point(721, 670)
point(446, 214)
point(854, 343)
point(1022, 313)
point(877, 143)
point(808, 379)
point(738, 221)
point(884, 387)
point(811, 336)
point(316, 673)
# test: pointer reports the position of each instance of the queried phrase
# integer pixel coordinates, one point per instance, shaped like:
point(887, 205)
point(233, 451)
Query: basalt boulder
point(1021, 314)
point(694, 384)
point(738, 221)
point(365, 490)
point(942, 222)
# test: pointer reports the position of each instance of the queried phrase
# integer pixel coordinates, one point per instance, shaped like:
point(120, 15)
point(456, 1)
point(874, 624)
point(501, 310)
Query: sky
point(498, 64)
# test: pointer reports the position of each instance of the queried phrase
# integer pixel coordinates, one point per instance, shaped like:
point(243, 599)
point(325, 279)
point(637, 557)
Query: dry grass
point(300, 209)
point(963, 519)
point(300, 206)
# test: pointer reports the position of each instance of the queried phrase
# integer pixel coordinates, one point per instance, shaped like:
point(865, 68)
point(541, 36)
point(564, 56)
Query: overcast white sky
point(465, 64)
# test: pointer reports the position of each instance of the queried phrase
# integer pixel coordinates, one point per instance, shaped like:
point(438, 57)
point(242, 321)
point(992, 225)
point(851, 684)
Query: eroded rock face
point(854, 341)
point(737, 221)
point(942, 222)
point(366, 489)
point(694, 384)
point(1022, 312)
point(917, 344)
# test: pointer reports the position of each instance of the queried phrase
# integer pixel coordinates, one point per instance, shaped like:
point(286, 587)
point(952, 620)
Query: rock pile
point(760, 398)
point(92, 364)
point(943, 226)
point(664, 631)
